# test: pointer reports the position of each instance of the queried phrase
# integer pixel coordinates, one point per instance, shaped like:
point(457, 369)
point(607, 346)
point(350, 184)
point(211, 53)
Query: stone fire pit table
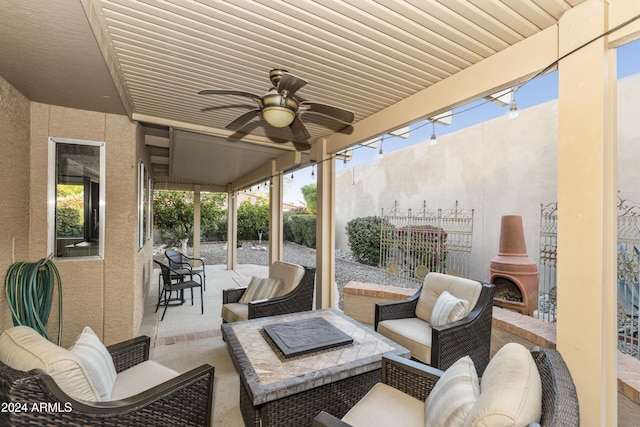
point(276, 390)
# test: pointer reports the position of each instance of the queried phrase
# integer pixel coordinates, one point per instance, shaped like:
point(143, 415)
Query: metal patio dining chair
point(184, 265)
point(174, 282)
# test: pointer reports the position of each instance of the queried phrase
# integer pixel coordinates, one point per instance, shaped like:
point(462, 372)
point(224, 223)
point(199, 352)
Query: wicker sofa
point(62, 387)
point(293, 287)
point(463, 330)
point(536, 392)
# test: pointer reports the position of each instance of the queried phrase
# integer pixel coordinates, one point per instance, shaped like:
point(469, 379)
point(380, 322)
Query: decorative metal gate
point(547, 262)
point(628, 276)
point(413, 243)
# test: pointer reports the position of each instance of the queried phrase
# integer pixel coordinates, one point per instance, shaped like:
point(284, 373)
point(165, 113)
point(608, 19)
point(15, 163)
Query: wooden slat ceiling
point(359, 55)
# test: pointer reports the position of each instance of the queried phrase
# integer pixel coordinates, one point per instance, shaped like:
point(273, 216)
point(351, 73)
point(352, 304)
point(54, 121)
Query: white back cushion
point(435, 283)
point(290, 274)
point(510, 390)
point(22, 348)
point(97, 362)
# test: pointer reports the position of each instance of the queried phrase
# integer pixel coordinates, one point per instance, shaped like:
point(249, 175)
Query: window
point(144, 206)
point(76, 198)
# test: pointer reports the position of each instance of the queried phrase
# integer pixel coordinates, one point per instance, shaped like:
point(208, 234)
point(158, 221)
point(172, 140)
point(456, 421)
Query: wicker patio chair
point(450, 341)
point(559, 397)
point(36, 400)
point(183, 265)
point(298, 298)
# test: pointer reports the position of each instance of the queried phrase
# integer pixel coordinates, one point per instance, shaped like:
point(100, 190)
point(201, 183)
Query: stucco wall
point(499, 167)
point(98, 293)
point(14, 191)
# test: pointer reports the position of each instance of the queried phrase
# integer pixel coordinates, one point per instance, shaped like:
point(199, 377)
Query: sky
point(537, 91)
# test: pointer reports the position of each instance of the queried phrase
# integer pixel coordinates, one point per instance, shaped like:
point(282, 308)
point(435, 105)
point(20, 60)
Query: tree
point(253, 218)
point(173, 215)
point(310, 193)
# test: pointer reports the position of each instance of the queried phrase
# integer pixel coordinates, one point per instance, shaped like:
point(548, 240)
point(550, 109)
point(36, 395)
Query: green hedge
point(301, 229)
point(364, 239)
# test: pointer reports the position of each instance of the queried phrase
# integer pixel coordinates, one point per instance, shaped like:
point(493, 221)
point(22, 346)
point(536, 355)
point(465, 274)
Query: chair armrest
point(469, 336)
point(299, 299)
point(232, 295)
point(324, 419)
point(410, 377)
point(396, 310)
point(129, 353)
point(184, 400)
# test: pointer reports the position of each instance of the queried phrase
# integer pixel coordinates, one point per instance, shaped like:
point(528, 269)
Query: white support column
point(232, 230)
point(196, 221)
point(276, 197)
point(326, 294)
point(586, 272)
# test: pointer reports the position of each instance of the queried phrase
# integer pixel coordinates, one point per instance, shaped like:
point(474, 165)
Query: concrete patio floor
point(186, 339)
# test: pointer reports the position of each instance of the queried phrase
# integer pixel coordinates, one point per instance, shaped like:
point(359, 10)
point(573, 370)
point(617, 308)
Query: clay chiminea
point(514, 274)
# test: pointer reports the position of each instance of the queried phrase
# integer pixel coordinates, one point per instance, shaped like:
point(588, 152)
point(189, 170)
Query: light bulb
point(380, 153)
point(434, 141)
point(513, 109)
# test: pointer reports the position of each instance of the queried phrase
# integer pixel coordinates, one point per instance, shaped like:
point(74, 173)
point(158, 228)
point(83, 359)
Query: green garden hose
point(29, 288)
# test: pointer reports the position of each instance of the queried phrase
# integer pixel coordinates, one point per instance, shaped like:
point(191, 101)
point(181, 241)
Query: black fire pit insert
point(306, 336)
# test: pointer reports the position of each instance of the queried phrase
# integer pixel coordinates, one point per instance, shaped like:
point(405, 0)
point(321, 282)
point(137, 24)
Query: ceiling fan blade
point(299, 130)
point(239, 123)
point(327, 110)
point(228, 92)
point(290, 83)
point(222, 107)
point(301, 146)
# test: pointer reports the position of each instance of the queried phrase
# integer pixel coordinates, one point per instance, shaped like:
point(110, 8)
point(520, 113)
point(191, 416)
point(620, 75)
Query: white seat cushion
point(139, 378)
point(97, 362)
point(260, 288)
point(412, 333)
point(235, 312)
point(448, 309)
point(435, 283)
point(510, 390)
point(22, 348)
point(290, 274)
point(453, 396)
point(386, 406)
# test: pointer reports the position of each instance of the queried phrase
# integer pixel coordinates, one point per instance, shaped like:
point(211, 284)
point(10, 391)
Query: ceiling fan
point(281, 108)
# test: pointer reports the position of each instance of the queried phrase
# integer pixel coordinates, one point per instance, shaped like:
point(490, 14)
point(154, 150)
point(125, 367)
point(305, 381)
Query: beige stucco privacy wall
point(499, 167)
point(106, 294)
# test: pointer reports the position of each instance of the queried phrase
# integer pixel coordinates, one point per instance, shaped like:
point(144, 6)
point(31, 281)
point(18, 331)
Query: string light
point(380, 153)
point(513, 108)
point(434, 141)
point(313, 170)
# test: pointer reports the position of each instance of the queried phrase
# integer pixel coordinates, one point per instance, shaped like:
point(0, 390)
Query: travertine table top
point(269, 376)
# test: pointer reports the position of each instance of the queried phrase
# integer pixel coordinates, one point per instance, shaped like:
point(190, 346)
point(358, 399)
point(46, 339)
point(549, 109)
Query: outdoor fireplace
point(513, 273)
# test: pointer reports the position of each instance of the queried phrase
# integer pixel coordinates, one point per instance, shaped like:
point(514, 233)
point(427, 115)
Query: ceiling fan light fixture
point(278, 117)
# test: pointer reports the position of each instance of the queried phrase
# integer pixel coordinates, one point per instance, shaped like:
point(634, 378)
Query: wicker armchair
point(300, 298)
point(559, 397)
point(449, 342)
point(34, 399)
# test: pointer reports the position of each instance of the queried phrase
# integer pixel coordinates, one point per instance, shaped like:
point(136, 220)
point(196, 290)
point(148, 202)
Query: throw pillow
point(448, 308)
point(97, 362)
point(260, 288)
point(453, 396)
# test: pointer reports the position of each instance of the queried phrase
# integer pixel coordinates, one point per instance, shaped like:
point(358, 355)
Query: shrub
point(303, 228)
point(364, 238)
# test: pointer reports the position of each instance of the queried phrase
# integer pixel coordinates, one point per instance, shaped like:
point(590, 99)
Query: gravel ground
point(346, 268)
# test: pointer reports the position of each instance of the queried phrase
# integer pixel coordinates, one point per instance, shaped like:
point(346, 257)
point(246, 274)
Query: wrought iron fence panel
point(547, 262)
point(628, 271)
point(416, 242)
